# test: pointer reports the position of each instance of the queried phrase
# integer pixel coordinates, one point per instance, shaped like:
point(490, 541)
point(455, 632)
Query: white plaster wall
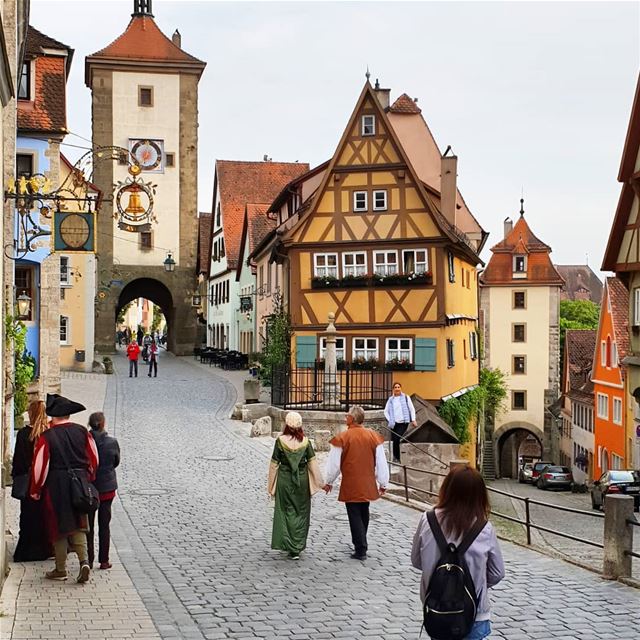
point(584, 439)
point(162, 121)
point(536, 349)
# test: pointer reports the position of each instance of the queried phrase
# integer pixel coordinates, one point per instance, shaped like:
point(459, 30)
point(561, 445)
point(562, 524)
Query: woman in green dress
point(294, 476)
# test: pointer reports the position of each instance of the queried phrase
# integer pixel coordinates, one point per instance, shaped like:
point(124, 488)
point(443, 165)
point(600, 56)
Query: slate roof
point(580, 347)
point(405, 104)
point(521, 240)
point(581, 283)
point(431, 427)
point(205, 221)
point(242, 183)
point(619, 298)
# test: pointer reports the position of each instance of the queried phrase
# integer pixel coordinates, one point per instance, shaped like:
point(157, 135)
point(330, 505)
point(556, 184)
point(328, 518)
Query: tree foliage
point(276, 351)
point(25, 364)
point(488, 397)
point(577, 314)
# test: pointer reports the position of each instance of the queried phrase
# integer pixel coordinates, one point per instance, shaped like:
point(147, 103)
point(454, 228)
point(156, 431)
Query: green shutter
point(306, 350)
point(425, 354)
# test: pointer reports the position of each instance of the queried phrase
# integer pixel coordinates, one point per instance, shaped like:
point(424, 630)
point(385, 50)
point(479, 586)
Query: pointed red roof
point(405, 104)
point(619, 299)
point(143, 42)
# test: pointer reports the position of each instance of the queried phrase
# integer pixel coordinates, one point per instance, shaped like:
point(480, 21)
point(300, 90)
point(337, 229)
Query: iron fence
point(312, 387)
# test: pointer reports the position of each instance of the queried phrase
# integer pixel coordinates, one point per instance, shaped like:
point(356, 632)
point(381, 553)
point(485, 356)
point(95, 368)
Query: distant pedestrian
point(64, 446)
point(154, 354)
point(140, 335)
point(133, 353)
point(106, 483)
point(400, 413)
point(294, 476)
point(460, 519)
point(33, 543)
point(358, 454)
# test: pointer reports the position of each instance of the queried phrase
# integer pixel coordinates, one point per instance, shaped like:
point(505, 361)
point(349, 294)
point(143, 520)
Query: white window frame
point(384, 268)
point(614, 354)
point(636, 306)
point(617, 462)
point(617, 411)
point(368, 121)
point(65, 280)
point(341, 351)
point(524, 264)
point(376, 206)
point(67, 329)
point(326, 267)
point(400, 351)
point(473, 345)
point(603, 353)
point(354, 269)
point(368, 351)
point(416, 263)
point(603, 406)
point(356, 207)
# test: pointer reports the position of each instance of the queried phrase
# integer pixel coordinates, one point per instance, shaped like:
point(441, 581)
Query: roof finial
point(521, 206)
point(377, 85)
point(142, 8)
point(367, 75)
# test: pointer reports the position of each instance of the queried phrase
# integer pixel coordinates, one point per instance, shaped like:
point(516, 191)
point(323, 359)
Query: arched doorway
point(158, 293)
point(515, 442)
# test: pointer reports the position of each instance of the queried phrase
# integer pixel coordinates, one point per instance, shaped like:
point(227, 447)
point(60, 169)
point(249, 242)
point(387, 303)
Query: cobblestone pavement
point(582, 526)
point(193, 527)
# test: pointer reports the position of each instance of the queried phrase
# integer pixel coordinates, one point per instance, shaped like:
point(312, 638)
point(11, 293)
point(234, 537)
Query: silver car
point(525, 472)
point(554, 477)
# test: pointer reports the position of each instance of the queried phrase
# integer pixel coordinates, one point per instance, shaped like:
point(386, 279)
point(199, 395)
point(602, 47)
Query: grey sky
point(529, 95)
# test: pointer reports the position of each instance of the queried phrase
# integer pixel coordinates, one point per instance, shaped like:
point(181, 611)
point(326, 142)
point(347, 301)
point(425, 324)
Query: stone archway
point(159, 294)
point(512, 440)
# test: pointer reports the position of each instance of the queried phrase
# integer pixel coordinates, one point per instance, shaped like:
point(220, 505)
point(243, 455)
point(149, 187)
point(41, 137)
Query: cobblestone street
point(192, 528)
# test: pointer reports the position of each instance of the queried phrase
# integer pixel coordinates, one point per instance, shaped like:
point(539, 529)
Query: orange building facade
point(612, 345)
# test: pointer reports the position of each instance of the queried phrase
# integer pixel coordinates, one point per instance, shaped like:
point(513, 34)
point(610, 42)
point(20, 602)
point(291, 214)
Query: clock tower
point(144, 91)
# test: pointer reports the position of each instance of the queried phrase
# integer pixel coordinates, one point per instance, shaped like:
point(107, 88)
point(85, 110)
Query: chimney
point(383, 95)
point(176, 38)
point(508, 227)
point(448, 186)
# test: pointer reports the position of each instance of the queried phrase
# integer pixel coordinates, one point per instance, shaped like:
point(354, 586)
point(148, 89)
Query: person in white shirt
point(358, 454)
point(400, 413)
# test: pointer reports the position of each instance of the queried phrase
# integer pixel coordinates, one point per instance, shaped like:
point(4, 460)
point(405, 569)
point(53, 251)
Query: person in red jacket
point(133, 353)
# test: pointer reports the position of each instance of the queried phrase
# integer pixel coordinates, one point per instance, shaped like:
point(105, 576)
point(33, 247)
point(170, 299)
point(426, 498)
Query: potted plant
point(108, 364)
point(353, 280)
point(324, 282)
point(399, 364)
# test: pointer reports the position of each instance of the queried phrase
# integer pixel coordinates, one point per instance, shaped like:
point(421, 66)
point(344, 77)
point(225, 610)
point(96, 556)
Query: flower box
point(403, 279)
point(326, 282)
point(398, 365)
point(361, 364)
point(356, 281)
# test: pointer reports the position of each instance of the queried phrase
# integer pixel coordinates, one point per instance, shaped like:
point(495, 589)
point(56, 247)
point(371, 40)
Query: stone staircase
point(488, 460)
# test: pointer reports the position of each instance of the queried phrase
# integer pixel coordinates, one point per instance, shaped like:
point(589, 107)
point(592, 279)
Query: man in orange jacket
point(133, 353)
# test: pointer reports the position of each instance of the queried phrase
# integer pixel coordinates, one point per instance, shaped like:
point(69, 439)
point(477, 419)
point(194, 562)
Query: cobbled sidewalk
point(192, 528)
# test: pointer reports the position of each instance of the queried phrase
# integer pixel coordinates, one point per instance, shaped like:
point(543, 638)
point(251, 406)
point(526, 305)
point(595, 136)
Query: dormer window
point(24, 86)
point(520, 266)
point(368, 125)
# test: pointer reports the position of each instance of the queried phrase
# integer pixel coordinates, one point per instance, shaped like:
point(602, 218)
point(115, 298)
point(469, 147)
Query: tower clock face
point(148, 154)
point(75, 231)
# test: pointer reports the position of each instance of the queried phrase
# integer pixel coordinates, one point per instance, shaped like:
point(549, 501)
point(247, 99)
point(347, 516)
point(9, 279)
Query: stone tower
point(144, 91)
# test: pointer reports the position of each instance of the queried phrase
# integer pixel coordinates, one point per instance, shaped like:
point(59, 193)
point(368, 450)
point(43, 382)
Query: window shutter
point(306, 350)
point(425, 354)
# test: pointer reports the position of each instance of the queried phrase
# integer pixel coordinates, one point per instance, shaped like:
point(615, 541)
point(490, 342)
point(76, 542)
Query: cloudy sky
point(532, 97)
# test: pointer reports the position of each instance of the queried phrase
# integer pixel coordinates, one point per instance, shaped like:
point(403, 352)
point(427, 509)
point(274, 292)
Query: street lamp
point(23, 302)
point(169, 263)
point(196, 300)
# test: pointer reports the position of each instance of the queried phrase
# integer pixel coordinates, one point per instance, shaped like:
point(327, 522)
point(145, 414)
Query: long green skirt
point(292, 511)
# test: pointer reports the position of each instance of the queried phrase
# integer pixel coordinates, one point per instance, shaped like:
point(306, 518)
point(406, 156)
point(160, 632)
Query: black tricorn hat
point(59, 406)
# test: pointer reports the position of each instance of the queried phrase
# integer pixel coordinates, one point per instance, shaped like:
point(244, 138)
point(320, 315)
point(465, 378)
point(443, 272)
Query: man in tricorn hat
point(64, 445)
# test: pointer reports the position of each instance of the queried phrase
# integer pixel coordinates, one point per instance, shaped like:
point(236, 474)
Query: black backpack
point(451, 602)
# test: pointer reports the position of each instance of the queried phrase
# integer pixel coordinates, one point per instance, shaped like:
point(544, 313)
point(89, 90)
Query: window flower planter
point(326, 282)
point(399, 365)
point(404, 279)
point(356, 281)
point(365, 365)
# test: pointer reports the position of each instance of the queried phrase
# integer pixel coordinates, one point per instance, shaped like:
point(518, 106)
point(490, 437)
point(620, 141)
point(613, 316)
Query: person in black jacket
point(106, 483)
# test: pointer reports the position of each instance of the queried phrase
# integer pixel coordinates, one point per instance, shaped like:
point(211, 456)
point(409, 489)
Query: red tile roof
point(205, 221)
point(405, 104)
point(580, 347)
point(519, 241)
point(243, 183)
point(619, 298)
point(259, 224)
point(581, 283)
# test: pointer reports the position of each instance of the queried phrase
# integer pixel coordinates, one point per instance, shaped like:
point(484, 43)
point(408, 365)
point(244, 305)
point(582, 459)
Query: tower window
point(520, 264)
point(145, 96)
point(146, 240)
point(170, 159)
point(519, 300)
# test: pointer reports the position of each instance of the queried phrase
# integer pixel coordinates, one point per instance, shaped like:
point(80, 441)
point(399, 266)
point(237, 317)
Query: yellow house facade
point(386, 243)
point(77, 296)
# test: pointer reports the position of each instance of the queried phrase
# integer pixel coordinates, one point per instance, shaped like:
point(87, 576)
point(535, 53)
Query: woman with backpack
point(457, 550)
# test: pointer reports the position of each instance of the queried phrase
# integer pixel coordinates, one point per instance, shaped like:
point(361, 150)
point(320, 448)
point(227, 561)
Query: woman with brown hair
point(294, 476)
point(33, 543)
point(463, 507)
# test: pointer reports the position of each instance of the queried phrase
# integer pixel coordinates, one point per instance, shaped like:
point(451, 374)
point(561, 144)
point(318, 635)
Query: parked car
point(537, 468)
point(525, 472)
point(616, 482)
point(555, 477)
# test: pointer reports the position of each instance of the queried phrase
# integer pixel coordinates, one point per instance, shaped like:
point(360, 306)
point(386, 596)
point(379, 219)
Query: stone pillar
point(618, 537)
point(331, 384)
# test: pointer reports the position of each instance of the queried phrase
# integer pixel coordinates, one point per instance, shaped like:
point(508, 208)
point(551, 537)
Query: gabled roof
point(431, 427)
point(619, 299)
point(405, 104)
point(37, 41)
point(243, 183)
point(581, 282)
point(256, 225)
point(143, 42)
point(205, 222)
point(580, 346)
point(625, 176)
point(521, 241)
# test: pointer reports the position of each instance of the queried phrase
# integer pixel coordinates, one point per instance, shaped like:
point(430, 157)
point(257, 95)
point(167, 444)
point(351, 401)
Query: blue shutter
point(425, 354)
point(306, 350)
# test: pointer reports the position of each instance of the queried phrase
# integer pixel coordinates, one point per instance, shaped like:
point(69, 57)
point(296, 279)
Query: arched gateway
point(514, 440)
point(144, 91)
